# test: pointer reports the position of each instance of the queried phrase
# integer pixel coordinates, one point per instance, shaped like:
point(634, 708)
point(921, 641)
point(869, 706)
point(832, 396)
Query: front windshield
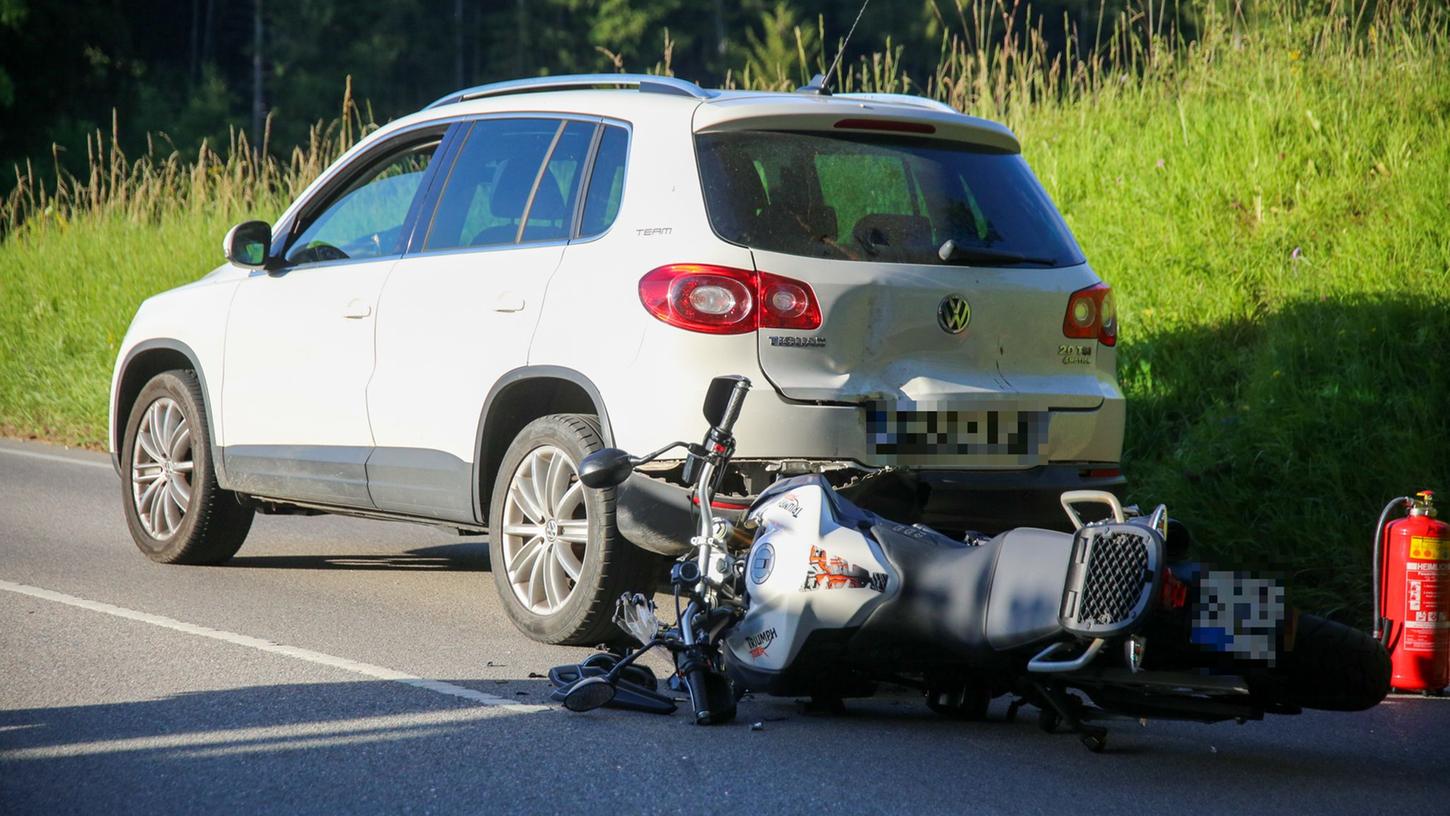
point(880, 198)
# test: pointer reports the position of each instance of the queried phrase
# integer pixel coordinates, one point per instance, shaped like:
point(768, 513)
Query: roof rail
point(901, 99)
point(646, 83)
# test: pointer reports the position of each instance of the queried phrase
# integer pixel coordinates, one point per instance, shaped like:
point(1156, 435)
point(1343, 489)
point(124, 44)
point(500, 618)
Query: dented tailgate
point(882, 346)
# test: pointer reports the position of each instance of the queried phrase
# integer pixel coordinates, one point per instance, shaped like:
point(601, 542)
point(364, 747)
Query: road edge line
point(296, 652)
point(50, 457)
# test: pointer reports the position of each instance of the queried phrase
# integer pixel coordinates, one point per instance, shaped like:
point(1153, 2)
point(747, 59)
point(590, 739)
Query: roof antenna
point(820, 84)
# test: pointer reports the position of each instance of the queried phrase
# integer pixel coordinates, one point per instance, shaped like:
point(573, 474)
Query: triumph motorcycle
point(809, 595)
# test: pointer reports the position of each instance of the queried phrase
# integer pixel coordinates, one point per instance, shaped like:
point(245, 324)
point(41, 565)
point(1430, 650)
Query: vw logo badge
point(954, 314)
point(762, 562)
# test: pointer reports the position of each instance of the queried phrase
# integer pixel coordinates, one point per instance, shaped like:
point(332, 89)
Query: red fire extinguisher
point(1412, 594)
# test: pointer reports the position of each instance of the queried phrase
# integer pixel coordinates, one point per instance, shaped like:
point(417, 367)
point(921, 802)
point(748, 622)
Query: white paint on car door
point(299, 353)
point(299, 345)
point(450, 326)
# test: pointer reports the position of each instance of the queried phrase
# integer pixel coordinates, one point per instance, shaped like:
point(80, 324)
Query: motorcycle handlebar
point(733, 406)
point(699, 696)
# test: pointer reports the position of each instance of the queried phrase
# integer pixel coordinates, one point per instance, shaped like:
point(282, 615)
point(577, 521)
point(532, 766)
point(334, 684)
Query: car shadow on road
point(374, 746)
point(468, 556)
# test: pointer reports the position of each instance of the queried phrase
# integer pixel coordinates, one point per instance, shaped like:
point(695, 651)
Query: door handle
point(508, 302)
point(356, 308)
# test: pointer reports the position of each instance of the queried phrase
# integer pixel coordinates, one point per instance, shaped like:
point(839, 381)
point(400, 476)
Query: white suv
point(479, 294)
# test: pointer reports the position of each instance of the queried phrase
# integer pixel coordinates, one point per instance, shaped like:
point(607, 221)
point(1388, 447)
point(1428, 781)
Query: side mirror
point(717, 400)
point(589, 694)
point(605, 468)
point(248, 244)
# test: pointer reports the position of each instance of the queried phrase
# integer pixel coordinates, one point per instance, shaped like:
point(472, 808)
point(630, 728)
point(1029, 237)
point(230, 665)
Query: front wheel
point(558, 559)
point(176, 511)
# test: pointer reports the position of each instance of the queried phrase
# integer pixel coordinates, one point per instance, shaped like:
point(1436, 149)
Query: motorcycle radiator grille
point(1111, 579)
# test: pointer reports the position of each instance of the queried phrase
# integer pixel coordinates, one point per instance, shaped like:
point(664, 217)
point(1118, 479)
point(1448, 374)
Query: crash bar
point(646, 83)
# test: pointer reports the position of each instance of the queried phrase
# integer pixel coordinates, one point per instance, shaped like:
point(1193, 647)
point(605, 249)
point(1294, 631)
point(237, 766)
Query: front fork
point(697, 656)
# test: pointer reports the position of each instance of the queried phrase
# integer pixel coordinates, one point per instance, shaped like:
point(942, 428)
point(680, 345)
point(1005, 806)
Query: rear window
point(882, 199)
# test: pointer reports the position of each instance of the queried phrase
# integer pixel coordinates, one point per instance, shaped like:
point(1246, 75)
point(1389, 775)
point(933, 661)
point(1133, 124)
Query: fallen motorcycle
point(810, 595)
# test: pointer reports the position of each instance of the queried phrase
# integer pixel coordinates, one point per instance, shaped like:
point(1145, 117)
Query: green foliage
point(781, 55)
point(12, 14)
point(1269, 201)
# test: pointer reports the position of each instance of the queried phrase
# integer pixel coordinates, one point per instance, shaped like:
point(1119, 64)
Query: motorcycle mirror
point(717, 399)
point(589, 694)
point(605, 468)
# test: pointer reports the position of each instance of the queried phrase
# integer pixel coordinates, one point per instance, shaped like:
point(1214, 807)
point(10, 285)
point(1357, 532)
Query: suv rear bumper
point(657, 515)
point(993, 501)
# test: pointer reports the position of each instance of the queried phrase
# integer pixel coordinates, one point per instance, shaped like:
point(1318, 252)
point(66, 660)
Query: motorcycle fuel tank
point(807, 573)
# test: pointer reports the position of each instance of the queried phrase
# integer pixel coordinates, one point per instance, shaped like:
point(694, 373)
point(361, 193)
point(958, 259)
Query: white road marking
point(50, 457)
point(354, 666)
point(290, 737)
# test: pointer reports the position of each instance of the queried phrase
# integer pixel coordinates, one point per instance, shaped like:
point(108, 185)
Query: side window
point(552, 213)
point(484, 199)
point(606, 182)
point(366, 219)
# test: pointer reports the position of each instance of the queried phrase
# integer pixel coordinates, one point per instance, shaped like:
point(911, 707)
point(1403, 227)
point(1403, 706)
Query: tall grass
point(1269, 201)
point(79, 254)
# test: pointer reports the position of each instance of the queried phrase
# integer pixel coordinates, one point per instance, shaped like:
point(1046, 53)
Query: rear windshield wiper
point(951, 252)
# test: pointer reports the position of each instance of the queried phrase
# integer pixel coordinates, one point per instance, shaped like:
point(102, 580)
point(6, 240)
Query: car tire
point(176, 511)
point(548, 534)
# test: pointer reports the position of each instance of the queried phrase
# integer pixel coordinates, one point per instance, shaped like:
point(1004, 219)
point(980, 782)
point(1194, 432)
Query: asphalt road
point(339, 665)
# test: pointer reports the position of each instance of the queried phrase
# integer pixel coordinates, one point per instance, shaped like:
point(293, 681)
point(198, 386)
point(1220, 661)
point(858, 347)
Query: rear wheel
point(1334, 667)
point(176, 511)
point(558, 559)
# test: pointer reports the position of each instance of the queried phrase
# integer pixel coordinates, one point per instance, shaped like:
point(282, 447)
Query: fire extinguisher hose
point(1379, 547)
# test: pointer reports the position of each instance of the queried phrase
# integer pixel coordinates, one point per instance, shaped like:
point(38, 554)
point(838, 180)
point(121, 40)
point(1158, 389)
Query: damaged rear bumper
point(657, 515)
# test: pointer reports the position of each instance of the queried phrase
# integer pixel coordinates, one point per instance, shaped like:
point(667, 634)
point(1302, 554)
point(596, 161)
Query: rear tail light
point(1174, 592)
point(787, 304)
point(724, 300)
point(1091, 314)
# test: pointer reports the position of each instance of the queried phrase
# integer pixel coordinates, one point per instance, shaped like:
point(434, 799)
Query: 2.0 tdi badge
point(954, 314)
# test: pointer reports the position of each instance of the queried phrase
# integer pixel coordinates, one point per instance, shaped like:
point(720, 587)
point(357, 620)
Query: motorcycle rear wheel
point(1333, 667)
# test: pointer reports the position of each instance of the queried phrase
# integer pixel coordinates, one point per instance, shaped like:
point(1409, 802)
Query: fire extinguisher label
point(1424, 548)
point(1426, 622)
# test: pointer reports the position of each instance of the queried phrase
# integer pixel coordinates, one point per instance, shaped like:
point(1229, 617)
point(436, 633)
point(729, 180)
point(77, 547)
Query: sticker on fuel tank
point(834, 572)
point(759, 642)
point(791, 504)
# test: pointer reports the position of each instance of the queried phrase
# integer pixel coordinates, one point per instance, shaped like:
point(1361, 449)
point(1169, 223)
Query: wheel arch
point(144, 361)
point(518, 398)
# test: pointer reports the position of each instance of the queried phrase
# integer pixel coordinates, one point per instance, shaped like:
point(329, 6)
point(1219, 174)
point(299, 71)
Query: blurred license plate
point(1238, 615)
point(925, 429)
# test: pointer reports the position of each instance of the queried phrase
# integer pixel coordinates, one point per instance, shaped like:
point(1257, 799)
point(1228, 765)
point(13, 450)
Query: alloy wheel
point(545, 530)
point(161, 468)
